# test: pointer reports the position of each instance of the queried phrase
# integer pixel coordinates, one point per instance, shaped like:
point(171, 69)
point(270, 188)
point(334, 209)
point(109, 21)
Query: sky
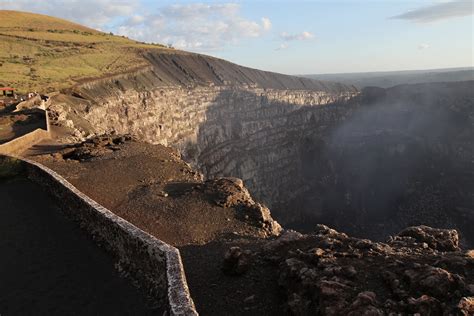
point(293, 37)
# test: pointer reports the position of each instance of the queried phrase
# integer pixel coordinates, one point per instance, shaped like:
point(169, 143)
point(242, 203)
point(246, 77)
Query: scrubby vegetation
point(43, 53)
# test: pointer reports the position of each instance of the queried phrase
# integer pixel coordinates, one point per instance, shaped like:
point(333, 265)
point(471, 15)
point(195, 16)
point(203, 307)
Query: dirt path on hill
point(50, 267)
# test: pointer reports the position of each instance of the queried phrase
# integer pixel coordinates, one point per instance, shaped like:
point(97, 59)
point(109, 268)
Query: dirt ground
point(255, 292)
point(50, 267)
point(150, 186)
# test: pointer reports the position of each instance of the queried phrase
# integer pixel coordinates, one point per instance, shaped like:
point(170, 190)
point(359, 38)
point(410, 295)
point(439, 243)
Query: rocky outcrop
point(230, 192)
point(438, 239)
point(93, 147)
point(329, 273)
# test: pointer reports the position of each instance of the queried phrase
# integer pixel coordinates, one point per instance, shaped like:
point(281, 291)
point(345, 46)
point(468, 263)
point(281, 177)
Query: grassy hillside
point(44, 53)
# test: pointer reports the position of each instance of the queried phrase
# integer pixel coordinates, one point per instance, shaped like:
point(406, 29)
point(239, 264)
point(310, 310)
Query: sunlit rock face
point(251, 133)
point(369, 162)
point(225, 119)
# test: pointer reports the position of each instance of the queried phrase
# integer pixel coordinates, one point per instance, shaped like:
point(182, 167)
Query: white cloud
point(287, 37)
point(267, 24)
point(197, 26)
point(92, 13)
point(282, 46)
point(136, 19)
point(423, 46)
point(303, 36)
point(437, 12)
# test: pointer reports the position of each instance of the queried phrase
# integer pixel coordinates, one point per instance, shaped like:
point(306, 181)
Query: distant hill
point(46, 54)
point(393, 78)
point(39, 52)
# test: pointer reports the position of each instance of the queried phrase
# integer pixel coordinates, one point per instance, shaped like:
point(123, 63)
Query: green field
point(44, 54)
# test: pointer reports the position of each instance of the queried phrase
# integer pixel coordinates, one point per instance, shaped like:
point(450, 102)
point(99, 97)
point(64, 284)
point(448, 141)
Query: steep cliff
point(404, 157)
point(369, 163)
point(224, 118)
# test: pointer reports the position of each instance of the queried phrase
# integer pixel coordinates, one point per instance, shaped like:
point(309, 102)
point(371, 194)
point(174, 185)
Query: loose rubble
point(420, 271)
point(94, 147)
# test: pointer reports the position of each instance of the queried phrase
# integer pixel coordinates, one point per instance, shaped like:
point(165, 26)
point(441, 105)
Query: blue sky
point(294, 37)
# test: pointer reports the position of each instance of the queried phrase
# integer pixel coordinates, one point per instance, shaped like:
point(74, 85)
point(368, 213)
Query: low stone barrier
point(155, 265)
point(30, 103)
point(22, 143)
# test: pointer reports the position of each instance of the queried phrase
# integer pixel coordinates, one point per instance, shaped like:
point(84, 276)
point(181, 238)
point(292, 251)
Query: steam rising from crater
point(396, 161)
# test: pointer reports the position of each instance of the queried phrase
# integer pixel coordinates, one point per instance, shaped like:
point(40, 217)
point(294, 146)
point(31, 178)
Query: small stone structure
point(19, 144)
point(155, 265)
point(22, 143)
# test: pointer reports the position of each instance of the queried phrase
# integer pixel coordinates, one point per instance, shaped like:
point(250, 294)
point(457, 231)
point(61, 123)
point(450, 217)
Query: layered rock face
point(225, 119)
point(254, 134)
point(367, 163)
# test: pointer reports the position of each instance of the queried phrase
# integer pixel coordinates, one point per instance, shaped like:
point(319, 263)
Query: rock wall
point(251, 133)
point(227, 120)
point(22, 143)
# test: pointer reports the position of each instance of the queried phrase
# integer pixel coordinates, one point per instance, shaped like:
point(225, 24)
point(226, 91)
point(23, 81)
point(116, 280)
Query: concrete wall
point(155, 265)
point(22, 143)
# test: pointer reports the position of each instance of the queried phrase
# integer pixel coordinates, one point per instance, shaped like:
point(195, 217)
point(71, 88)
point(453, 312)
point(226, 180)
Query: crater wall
point(369, 162)
point(227, 120)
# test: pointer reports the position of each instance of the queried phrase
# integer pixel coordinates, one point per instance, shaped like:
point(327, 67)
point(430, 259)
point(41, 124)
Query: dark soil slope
point(192, 69)
point(185, 69)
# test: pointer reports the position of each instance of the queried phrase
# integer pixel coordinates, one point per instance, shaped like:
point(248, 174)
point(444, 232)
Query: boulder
point(434, 281)
point(236, 261)
point(466, 306)
point(435, 238)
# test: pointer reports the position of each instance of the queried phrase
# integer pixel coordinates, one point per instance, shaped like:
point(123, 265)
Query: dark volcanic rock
point(230, 192)
point(236, 261)
point(422, 270)
point(94, 147)
point(439, 239)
